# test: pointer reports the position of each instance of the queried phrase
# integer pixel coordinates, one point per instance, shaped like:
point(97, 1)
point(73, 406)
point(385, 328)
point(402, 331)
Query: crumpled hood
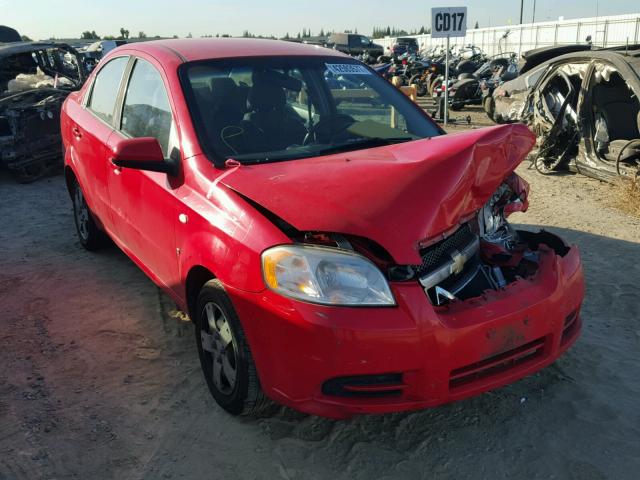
point(397, 195)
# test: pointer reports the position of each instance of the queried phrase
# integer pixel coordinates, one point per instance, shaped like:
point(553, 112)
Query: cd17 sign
point(448, 22)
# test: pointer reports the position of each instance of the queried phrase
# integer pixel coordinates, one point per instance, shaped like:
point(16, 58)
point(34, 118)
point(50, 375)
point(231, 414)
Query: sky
point(42, 19)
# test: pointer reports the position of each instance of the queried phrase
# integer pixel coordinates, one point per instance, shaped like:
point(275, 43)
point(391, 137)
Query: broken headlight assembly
point(324, 275)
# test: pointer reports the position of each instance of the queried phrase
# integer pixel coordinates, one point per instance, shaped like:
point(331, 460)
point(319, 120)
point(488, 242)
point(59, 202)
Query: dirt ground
point(99, 378)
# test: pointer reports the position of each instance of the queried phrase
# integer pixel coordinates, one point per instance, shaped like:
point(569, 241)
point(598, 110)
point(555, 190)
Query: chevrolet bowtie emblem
point(458, 262)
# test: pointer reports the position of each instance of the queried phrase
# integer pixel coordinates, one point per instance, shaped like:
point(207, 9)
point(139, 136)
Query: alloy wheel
point(81, 212)
point(218, 343)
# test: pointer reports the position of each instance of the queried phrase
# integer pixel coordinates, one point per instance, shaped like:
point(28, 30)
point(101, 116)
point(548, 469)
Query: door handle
point(76, 132)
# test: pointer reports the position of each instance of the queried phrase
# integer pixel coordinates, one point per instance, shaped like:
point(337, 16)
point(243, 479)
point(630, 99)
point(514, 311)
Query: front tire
point(90, 236)
point(225, 357)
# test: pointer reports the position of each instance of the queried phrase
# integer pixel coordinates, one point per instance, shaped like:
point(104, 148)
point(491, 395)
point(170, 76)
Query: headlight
point(325, 275)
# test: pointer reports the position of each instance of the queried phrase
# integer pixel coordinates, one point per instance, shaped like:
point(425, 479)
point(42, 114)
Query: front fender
point(225, 235)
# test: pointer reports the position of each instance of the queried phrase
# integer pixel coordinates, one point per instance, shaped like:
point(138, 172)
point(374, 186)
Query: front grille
point(385, 385)
point(439, 253)
point(497, 364)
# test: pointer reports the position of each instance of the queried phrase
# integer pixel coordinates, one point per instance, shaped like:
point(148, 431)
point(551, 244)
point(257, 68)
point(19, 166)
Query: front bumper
point(426, 355)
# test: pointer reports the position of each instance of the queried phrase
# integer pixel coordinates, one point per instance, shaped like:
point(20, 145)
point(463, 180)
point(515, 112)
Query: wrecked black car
point(583, 108)
point(35, 78)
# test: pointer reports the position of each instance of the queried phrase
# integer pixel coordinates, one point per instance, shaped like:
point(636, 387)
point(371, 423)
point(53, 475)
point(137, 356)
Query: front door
point(144, 207)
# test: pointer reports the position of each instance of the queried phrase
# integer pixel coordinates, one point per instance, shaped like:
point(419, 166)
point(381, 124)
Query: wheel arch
point(69, 178)
point(196, 278)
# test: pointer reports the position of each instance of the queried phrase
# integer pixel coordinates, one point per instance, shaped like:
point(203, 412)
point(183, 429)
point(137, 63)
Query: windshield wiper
point(344, 147)
point(364, 143)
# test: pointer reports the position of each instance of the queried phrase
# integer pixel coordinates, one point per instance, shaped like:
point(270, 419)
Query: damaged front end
point(485, 253)
point(35, 79)
point(482, 254)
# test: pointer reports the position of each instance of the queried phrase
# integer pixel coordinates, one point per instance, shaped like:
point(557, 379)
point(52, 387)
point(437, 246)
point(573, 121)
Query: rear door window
point(146, 111)
point(105, 89)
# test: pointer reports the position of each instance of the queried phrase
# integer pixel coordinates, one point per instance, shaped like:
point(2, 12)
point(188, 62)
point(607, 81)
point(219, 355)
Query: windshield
point(282, 108)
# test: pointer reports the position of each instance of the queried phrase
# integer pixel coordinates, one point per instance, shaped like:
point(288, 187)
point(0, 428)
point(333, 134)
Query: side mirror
point(142, 153)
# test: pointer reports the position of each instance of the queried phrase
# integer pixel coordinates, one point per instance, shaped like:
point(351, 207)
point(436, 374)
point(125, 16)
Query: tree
point(322, 32)
point(286, 37)
point(477, 26)
point(388, 32)
point(90, 35)
point(189, 35)
point(141, 34)
point(25, 38)
point(124, 33)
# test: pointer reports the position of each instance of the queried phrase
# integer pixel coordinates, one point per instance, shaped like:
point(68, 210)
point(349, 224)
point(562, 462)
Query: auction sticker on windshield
point(347, 69)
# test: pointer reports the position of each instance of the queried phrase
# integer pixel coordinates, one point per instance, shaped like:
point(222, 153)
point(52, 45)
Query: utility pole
point(521, 10)
point(533, 18)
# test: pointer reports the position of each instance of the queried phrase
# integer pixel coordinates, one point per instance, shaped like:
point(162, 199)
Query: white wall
point(604, 31)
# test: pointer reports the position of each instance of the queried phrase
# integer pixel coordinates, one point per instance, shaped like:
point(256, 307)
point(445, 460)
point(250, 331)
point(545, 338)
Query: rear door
point(91, 124)
point(144, 206)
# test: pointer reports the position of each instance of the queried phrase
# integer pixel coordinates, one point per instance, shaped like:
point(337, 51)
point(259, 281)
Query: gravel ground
point(99, 377)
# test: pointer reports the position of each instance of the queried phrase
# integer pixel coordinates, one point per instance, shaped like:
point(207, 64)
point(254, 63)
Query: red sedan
point(335, 250)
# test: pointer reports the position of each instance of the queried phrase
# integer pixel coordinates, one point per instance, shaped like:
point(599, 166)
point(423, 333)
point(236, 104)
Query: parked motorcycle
point(461, 62)
point(469, 89)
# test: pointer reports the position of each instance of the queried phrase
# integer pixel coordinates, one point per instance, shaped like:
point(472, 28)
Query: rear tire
point(489, 107)
point(90, 236)
point(225, 357)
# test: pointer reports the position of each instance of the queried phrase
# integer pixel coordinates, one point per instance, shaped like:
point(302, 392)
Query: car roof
point(194, 49)
point(532, 58)
point(631, 57)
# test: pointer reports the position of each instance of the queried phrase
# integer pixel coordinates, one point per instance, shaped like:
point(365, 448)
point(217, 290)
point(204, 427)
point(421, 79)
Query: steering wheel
point(544, 162)
point(329, 127)
point(547, 108)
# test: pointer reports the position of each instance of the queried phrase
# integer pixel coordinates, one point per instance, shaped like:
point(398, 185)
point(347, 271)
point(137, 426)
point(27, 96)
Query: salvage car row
point(583, 107)
point(580, 101)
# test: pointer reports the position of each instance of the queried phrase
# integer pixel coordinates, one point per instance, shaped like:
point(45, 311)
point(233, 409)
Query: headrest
point(276, 78)
point(266, 97)
point(228, 101)
point(222, 87)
